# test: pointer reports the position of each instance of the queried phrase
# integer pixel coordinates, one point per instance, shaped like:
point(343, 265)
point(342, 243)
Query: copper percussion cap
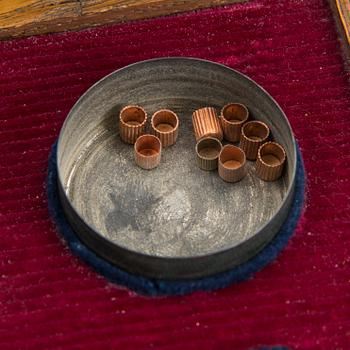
point(206, 123)
point(147, 151)
point(270, 162)
point(132, 123)
point(165, 125)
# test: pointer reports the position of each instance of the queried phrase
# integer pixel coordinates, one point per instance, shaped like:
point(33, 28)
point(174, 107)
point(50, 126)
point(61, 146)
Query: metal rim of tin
point(107, 248)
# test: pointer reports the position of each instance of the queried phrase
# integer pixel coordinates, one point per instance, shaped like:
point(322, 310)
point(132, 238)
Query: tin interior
point(175, 210)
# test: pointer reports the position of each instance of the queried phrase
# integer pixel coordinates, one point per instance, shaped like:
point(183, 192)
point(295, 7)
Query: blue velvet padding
point(155, 287)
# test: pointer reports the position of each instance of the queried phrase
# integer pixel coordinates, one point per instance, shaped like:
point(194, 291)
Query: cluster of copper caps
point(148, 146)
point(233, 125)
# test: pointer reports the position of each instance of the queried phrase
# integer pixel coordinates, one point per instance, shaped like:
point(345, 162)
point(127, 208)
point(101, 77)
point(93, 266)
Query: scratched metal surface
point(177, 209)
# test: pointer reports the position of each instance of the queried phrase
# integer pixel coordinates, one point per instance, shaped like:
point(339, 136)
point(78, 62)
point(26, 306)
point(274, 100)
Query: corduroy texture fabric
point(157, 287)
point(51, 300)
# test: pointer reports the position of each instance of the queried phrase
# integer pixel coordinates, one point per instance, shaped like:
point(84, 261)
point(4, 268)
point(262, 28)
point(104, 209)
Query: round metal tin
point(175, 221)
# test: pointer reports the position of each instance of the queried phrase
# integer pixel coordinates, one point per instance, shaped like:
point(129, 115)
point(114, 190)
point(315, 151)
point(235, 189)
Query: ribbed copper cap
point(232, 118)
point(232, 163)
point(208, 150)
point(147, 150)
point(270, 162)
point(206, 123)
point(165, 125)
point(132, 122)
point(253, 135)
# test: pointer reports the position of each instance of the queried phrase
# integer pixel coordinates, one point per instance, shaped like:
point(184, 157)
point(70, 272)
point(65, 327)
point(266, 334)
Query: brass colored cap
point(165, 125)
point(270, 162)
point(232, 164)
point(233, 116)
point(253, 135)
point(147, 150)
point(206, 123)
point(132, 123)
point(208, 150)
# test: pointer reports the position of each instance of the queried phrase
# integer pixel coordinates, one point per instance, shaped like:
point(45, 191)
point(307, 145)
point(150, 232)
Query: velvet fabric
point(50, 299)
